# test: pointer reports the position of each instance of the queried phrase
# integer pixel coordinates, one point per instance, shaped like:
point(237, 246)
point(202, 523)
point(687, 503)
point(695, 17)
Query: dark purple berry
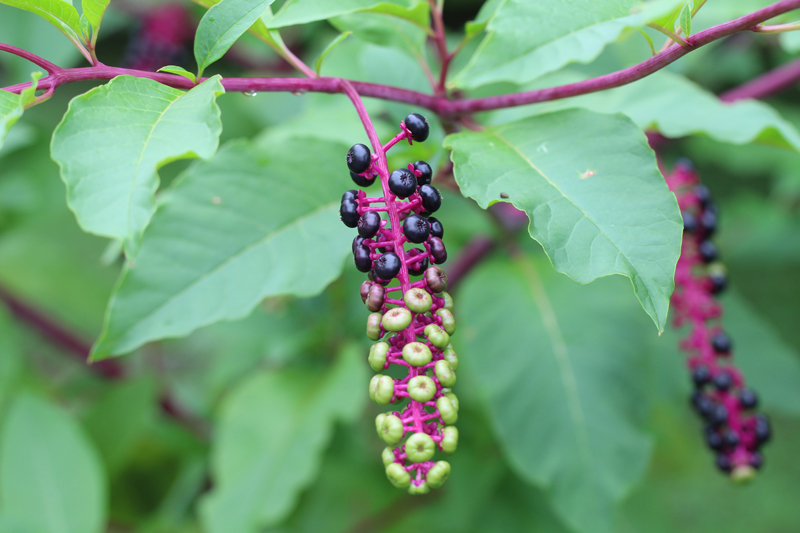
point(352, 194)
point(372, 277)
point(358, 158)
point(721, 342)
point(748, 399)
point(723, 381)
point(361, 181)
point(702, 404)
point(418, 126)
point(387, 266)
point(723, 462)
point(403, 183)
point(756, 460)
point(431, 199)
point(438, 251)
point(718, 415)
point(713, 439)
point(369, 224)
point(701, 376)
point(689, 222)
point(708, 251)
point(703, 194)
point(358, 241)
point(437, 230)
point(418, 268)
point(730, 439)
point(762, 429)
point(427, 172)
point(708, 221)
point(416, 229)
point(718, 282)
point(361, 258)
point(348, 212)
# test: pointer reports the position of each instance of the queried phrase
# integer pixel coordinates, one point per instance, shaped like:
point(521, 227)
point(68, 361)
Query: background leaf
point(94, 10)
point(341, 37)
point(12, 106)
point(59, 13)
point(303, 11)
point(114, 138)
point(590, 186)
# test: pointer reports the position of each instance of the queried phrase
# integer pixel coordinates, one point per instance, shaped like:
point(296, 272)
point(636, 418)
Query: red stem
point(441, 45)
point(767, 84)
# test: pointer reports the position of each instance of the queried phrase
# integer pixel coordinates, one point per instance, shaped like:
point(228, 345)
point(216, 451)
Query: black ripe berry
point(723, 462)
point(708, 221)
point(723, 381)
point(438, 251)
point(361, 181)
point(730, 439)
point(718, 282)
point(387, 266)
point(756, 460)
point(721, 342)
point(416, 229)
point(437, 230)
point(352, 194)
point(431, 199)
point(702, 404)
point(707, 250)
point(418, 127)
point(748, 399)
point(427, 172)
point(689, 222)
point(418, 268)
point(718, 415)
point(403, 183)
point(349, 212)
point(358, 158)
point(701, 376)
point(703, 194)
point(713, 439)
point(362, 259)
point(358, 241)
point(762, 429)
point(369, 224)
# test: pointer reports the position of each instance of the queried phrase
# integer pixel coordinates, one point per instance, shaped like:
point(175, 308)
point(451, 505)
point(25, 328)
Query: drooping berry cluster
point(413, 328)
point(732, 431)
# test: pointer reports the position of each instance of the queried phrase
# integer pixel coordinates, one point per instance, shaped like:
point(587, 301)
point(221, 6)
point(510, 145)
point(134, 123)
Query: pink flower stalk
point(733, 431)
point(411, 320)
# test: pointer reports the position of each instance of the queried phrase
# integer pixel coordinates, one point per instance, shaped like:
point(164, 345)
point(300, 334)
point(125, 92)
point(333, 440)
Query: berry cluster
point(733, 431)
point(413, 329)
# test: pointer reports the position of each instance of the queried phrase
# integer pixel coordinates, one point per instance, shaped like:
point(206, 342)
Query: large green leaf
point(561, 368)
point(676, 107)
point(114, 138)
point(527, 39)
point(222, 25)
point(273, 430)
point(394, 31)
point(303, 11)
point(590, 186)
point(247, 225)
point(59, 13)
point(12, 106)
point(94, 10)
point(50, 476)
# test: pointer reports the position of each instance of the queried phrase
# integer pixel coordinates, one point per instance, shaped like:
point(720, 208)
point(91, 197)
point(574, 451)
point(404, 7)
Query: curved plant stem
point(49, 67)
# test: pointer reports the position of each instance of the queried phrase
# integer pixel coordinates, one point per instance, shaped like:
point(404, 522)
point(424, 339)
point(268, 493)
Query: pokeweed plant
point(253, 220)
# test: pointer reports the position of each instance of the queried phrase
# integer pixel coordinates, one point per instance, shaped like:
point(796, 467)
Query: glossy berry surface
point(721, 342)
point(701, 375)
point(418, 126)
point(361, 181)
point(723, 381)
point(369, 224)
point(748, 399)
point(403, 183)
point(438, 251)
point(707, 251)
point(348, 212)
point(358, 158)
point(416, 229)
point(426, 170)
point(387, 266)
point(362, 259)
point(437, 230)
point(431, 199)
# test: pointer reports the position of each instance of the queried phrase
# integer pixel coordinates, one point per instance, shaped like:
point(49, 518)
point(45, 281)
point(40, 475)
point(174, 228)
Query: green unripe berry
point(396, 319)
point(387, 456)
point(451, 357)
point(436, 335)
point(438, 474)
point(448, 320)
point(417, 354)
point(422, 488)
point(418, 300)
point(374, 326)
point(420, 448)
point(448, 300)
point(444, 373)
point(453, 399)
point(449, 439)
point(377, 356)
point(447, 410)
point(421, 388)
point(398, 476)
point(381, 389)
point(379, 421)
point(390, 429)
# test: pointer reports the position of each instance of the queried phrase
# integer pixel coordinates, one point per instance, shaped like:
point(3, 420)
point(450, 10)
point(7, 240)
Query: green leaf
point(591, 187)
point(180, 71)
point(50, 476)
point(488, 9)
point(527, 39)
point(649, 41)
point(114, 138)
point(221, 26)
point(341, 37)
point(303, 11)
point(94, 10)
point(684, 21)
point(272, 432)
point(251, 223)
point(13, 105)
point(377, 28)
point(59, 13)
point(560, 367)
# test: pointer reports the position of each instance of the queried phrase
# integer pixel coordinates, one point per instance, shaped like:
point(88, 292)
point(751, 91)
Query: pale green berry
point(417, 354)
point(388, 456)
point(438, 474)
point(422, 488)
point(453, 399)
point(451, 357)
point(448, 300)
point(398, 476)
point(396, 319)
point(447, 410)
point(418, 300)
point(444, 373)
point(379, 421)
point(743, 473)
point(377, 356)
point(421, 388)
point(448, 320)
point(390, 429)
point(374, 326)
point(436, 335)
point(449, 439)
point(381, 389)
point(420, 448)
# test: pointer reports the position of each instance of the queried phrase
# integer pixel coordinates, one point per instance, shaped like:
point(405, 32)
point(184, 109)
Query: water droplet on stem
point(251, 93)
